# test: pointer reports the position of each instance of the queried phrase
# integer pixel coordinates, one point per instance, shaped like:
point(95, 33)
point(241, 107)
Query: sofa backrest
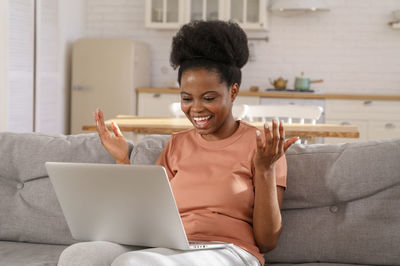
point(29, 210)
point(342, 203)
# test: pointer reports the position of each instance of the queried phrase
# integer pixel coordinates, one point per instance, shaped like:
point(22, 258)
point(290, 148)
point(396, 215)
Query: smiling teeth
point(201, 118)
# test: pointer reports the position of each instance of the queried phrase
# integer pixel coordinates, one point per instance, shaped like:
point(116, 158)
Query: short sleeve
point(165, 159)
point(281, 171)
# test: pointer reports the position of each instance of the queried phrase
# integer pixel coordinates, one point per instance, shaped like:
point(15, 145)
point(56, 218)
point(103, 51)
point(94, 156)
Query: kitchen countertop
point(168, 125)
point(290, 94)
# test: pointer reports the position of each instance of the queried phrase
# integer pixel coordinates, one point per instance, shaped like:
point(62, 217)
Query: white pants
point(101, 253)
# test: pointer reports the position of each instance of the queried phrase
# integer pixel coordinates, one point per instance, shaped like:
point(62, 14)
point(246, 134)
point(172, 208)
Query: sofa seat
point(22, 254)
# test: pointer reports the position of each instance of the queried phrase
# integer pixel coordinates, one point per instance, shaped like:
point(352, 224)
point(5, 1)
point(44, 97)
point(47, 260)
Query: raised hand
point(273, 146)
point(115, 143)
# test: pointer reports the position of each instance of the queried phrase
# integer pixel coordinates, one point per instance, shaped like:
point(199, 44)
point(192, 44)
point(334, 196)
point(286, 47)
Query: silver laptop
point(125, 204)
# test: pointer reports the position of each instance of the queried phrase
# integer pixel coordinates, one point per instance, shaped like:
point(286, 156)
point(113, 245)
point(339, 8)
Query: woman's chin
point(203, 130)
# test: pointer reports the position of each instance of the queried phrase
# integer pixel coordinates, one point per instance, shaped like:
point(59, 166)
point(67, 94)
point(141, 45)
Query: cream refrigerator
point(105, 74)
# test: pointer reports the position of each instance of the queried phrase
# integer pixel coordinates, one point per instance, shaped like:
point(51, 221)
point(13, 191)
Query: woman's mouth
point(201, 121)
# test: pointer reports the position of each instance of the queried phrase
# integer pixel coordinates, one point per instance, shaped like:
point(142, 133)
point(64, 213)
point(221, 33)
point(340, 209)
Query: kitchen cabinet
point(204, 10)
point(249, 14)
point(171, 14)
point(384, 129)
point(376, 119)
point(164, 14)
point(156, 104)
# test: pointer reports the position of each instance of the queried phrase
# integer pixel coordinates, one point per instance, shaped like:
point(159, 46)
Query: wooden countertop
point(149, 125)
point(283, 94)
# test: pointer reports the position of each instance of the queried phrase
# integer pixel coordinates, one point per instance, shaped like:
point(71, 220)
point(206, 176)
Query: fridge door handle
point(80, 88)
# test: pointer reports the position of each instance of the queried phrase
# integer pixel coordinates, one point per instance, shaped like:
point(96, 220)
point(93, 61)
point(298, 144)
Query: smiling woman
point(228, 177)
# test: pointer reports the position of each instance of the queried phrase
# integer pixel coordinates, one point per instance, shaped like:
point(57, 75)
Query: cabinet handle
point(156, 95)
point(390, 125)
point(367, 102)
point(345, 123)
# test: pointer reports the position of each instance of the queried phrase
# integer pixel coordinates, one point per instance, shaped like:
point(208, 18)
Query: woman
point(228, 178)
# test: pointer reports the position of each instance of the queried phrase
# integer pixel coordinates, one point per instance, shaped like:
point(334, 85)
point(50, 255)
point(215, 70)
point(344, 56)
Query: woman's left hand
point(273, 147)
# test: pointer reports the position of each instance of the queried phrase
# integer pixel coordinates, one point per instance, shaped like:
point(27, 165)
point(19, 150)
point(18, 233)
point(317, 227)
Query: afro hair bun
point(218, 41)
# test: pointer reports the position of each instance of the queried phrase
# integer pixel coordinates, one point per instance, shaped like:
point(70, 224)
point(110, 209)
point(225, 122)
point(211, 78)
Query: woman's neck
point(227, 129)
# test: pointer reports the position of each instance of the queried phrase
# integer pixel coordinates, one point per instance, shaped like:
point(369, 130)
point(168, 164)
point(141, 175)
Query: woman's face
point(208, 103)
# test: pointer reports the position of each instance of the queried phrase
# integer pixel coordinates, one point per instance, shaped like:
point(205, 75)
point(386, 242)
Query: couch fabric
point(342, 204)
point(341, 207)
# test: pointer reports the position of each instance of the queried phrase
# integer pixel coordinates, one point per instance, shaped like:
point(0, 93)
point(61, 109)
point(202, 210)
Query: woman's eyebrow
point(209, 92)
point(204, 93)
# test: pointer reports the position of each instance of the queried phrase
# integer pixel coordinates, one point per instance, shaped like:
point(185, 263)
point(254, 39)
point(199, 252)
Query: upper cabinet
point(171, 14)
point(164, 14)
point(250, 14)
point(204, 10)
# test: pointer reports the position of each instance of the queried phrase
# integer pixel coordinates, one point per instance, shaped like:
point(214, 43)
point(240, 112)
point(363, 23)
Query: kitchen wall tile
point(351, 47)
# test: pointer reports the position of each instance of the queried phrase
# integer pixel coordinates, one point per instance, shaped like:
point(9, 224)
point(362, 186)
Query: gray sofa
point(341, 207)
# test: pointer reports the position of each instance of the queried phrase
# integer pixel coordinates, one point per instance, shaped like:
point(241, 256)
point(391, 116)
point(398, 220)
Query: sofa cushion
point(148, 149)
point(29, 210)
point(342, 204)
point(18, 254)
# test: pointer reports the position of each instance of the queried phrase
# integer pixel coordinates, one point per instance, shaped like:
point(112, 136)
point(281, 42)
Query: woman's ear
point(234, 91)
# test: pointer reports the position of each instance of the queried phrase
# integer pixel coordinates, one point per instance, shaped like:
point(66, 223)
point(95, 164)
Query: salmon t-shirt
point(213, 185)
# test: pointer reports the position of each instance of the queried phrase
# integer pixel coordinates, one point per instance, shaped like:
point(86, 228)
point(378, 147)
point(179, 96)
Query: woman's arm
point(267, 220)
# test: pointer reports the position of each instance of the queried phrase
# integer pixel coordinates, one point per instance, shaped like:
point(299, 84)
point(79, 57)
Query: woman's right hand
point(115, 143)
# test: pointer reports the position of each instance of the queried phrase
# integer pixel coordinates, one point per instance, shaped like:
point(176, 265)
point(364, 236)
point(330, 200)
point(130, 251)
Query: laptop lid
point(125, 204)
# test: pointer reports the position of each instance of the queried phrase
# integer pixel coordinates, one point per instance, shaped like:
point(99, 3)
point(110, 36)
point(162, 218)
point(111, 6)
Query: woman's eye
point(186, 99)
point(209, 99)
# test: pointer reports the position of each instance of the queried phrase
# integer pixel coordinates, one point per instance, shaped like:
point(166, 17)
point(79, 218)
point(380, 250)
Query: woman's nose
point(197, 106)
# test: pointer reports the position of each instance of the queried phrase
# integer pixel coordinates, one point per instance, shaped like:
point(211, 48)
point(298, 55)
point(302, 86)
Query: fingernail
point(266, 125)
point(275, 121)
point(282, 122)
point(258, 133)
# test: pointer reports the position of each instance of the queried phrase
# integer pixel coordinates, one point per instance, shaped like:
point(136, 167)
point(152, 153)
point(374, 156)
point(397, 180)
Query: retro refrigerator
point(105, 75)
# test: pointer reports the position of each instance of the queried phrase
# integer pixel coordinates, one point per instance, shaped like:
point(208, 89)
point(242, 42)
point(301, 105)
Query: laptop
point(125, 204)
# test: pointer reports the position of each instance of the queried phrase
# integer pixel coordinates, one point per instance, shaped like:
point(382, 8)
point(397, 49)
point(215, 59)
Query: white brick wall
point(351, 47)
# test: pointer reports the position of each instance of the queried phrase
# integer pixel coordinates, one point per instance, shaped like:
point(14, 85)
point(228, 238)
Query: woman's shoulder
point(247, 127)
point(185, 135)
